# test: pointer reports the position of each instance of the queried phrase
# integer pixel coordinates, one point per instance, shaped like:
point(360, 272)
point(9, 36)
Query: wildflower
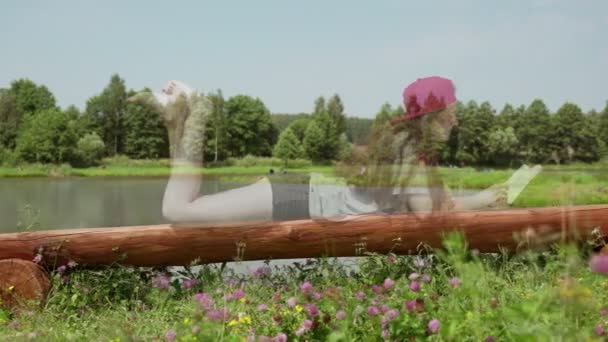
point(489, 339)
point(218, 315)
point(72, 264)
point(238, 293)
point(205, 300)
point(426, 278)
point(419, 262)
point(306, 287)
point(414, 276)
point(312, 310)
point(434, 325)
point(599, 330)
point(340, 314)
point(454, 282)
point(291, 302)
point(187, 284)
point(415, 286)
point(298, 308)
point(66, 278)
point(305, 327)
point(171, 335)
point(373, 311)
point(603, 312)
point(262, 307)
point(388, 283)
point(377, 289)
point(281, 337)
point(161, 281)
point(262, 271)
point(384, 322)
point(360, 295)
point(599, 263)
point(384, 308)
point(316, 296)
point(415, 305)
point(245, 320)
point(392, 314)
point(37, 259)
point(410, 305)
point(61, 269)
point(233, 322)
point(386, 334)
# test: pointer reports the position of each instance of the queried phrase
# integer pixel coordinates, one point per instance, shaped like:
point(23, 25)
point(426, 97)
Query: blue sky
point(288, 53)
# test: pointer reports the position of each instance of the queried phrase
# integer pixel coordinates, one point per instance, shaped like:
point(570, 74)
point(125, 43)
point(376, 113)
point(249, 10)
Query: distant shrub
point(89, 150)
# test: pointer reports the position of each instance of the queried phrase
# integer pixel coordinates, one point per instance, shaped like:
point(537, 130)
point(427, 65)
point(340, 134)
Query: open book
point(519, 180)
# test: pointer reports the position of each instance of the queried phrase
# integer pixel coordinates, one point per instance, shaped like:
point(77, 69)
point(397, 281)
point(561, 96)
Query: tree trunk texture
point(486, 231)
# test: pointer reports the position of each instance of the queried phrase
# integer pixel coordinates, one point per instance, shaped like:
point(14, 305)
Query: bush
point(8, 157)
point(89, 150)
point(48, 136)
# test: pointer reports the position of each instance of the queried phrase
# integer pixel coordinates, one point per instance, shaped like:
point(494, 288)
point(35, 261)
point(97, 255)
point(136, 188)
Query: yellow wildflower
point(245, 320)
point(299, 308)
point(233, 322)
point(11, 288)
point(186, 320)
point(242, 300)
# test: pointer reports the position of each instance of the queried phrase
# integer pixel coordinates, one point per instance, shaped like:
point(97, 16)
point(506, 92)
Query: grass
point(454, 294)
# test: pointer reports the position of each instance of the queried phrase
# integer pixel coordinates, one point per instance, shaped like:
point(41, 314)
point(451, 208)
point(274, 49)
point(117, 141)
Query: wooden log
point(22, 282)
point(487, 231)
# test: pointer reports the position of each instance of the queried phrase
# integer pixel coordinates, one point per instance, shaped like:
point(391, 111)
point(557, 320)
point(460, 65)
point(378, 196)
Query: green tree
point(299, 127)
point(216, 128)
point(603, 125)
point(314, 142)
point(106, 113)
point(249, 129)
point(335, 109)
point(534, 133)
point(30, 97)
point(574, 135)
point(358, 130)
point(47, 137)
point(9, 119)
point(319, 106)
point(145, 135)
point(288, 147)
point(502, 145)
point(386, 113)
point(475, 124)
point(89, 150)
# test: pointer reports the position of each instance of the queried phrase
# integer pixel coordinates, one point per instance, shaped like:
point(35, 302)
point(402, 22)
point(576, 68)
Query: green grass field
point(452, 295)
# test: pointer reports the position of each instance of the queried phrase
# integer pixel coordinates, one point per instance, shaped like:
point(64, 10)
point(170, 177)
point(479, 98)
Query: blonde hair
point(394, 154)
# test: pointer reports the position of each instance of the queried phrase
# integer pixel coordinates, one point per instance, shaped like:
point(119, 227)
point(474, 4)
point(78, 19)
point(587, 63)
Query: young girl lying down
point(380, 182)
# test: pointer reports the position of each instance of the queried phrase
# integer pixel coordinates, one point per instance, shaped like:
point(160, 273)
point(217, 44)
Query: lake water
point(63, 203)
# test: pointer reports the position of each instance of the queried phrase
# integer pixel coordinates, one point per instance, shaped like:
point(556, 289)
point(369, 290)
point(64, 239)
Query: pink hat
point(427, 95)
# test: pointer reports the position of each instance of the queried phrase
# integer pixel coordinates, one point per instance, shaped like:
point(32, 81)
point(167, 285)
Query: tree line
point(34, 129)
